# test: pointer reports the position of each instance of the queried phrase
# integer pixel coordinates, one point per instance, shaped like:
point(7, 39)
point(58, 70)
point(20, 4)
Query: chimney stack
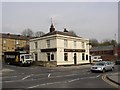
point(65, 30)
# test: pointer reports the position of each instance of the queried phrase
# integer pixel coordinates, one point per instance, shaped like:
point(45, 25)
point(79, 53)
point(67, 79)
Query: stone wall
point(46, 63)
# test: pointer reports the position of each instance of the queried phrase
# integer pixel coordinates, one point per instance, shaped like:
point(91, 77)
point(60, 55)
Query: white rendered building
point(60, 48)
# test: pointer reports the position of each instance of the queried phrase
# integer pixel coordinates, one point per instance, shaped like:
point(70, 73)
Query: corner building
point(60, 48)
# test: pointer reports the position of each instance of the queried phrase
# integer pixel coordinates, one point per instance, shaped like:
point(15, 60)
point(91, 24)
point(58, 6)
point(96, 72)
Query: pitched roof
point(61, 33)
point(101, 48)
point(14, 36)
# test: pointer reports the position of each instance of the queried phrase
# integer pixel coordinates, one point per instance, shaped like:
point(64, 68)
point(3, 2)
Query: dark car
point(117, 62)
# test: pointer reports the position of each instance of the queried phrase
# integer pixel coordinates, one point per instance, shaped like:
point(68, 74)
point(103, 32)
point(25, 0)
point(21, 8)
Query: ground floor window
point(86, 57)
point(83, 56)
point(48, 56)
point(52, 56)
point(65, 56)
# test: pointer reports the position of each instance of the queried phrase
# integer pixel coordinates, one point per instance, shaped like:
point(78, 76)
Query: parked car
point(103, 66)
point(96, 58)
point(117, 62)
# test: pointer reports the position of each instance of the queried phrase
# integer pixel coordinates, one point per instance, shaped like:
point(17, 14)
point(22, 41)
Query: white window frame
point(75, 44)
point(48, 43)
point(36, 45)
point(83, 44)
point(65, 42)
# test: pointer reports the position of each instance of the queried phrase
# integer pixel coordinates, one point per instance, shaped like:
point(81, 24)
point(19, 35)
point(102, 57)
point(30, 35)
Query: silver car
point(103, 66)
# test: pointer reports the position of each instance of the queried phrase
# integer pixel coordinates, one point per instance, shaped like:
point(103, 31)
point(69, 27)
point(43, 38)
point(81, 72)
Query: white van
point(96, 58)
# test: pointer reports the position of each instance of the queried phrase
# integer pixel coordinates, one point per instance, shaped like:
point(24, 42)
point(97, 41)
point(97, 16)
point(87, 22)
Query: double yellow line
point(104, 77)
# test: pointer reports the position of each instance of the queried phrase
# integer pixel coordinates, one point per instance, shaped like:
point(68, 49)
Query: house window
point(74, 44)
point(4, 47)
point(83, 45)
point(65, 43)
point(4, 41)
point(48, 56)
point(48, 43)
point(86, 57)
point(17, 42)
point(52, 56)
point(36, 46)
point(65, 56)
point(83, 56)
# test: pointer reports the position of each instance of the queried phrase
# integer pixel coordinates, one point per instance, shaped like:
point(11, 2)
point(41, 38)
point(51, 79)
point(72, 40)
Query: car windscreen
point(100, 63)
point(28, 56)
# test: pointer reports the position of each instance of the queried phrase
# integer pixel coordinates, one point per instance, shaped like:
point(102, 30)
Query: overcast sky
point(97, 20)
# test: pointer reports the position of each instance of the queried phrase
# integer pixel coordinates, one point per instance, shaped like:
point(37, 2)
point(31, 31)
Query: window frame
point(83, 56)
point(65, 56)
point(52, 57)
point(87, 57)
point(75, 44)
point(48, 43)
point(48, 56)
point(65, 43)
point(36, 45)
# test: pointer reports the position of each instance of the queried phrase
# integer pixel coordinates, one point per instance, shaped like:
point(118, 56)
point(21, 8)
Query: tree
point(113, 42)
point(94, 42)
point(108, 42)
point(39, 33)
point(27, 32)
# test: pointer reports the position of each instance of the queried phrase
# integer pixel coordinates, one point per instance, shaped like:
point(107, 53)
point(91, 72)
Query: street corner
point(112, 79)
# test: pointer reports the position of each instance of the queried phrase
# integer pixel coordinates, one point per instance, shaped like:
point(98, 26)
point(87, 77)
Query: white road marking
point(74, 80)
point(99, 75)
point(9, 76)
point(69, 81)
point(34, 86)
point(26, 77)
point(49, 74)
point(71, 75)
point(7, 70)
point(45, 84)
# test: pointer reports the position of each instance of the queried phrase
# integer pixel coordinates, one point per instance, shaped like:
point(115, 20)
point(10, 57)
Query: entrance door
point(36, 57)
point(90, 59)
point(75, 58)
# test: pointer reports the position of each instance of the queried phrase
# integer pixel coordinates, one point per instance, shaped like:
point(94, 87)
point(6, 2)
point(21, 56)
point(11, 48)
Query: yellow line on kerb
point(108, 81)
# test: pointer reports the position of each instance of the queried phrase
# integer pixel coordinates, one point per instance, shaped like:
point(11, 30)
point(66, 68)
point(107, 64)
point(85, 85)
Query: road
point(53, 77)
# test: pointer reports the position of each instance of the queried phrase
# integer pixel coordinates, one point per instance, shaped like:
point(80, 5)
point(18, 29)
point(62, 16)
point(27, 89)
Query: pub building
point(60, 48)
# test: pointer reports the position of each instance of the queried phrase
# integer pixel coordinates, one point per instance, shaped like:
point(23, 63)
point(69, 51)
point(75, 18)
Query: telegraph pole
point(116, 54)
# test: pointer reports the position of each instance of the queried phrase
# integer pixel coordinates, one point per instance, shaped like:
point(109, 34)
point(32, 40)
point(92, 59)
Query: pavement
point(114, 77)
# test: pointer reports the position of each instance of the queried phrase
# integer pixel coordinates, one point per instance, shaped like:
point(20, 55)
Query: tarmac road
point(57, 77)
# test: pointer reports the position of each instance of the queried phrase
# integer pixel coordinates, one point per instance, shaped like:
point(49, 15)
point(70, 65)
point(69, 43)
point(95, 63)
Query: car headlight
point(99, 68)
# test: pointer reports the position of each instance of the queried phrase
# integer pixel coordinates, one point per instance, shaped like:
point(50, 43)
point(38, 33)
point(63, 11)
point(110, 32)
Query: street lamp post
point(116, 53)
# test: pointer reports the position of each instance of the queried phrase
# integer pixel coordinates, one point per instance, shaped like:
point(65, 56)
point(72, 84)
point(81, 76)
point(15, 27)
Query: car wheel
point(103, 70)
point(91, 71)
